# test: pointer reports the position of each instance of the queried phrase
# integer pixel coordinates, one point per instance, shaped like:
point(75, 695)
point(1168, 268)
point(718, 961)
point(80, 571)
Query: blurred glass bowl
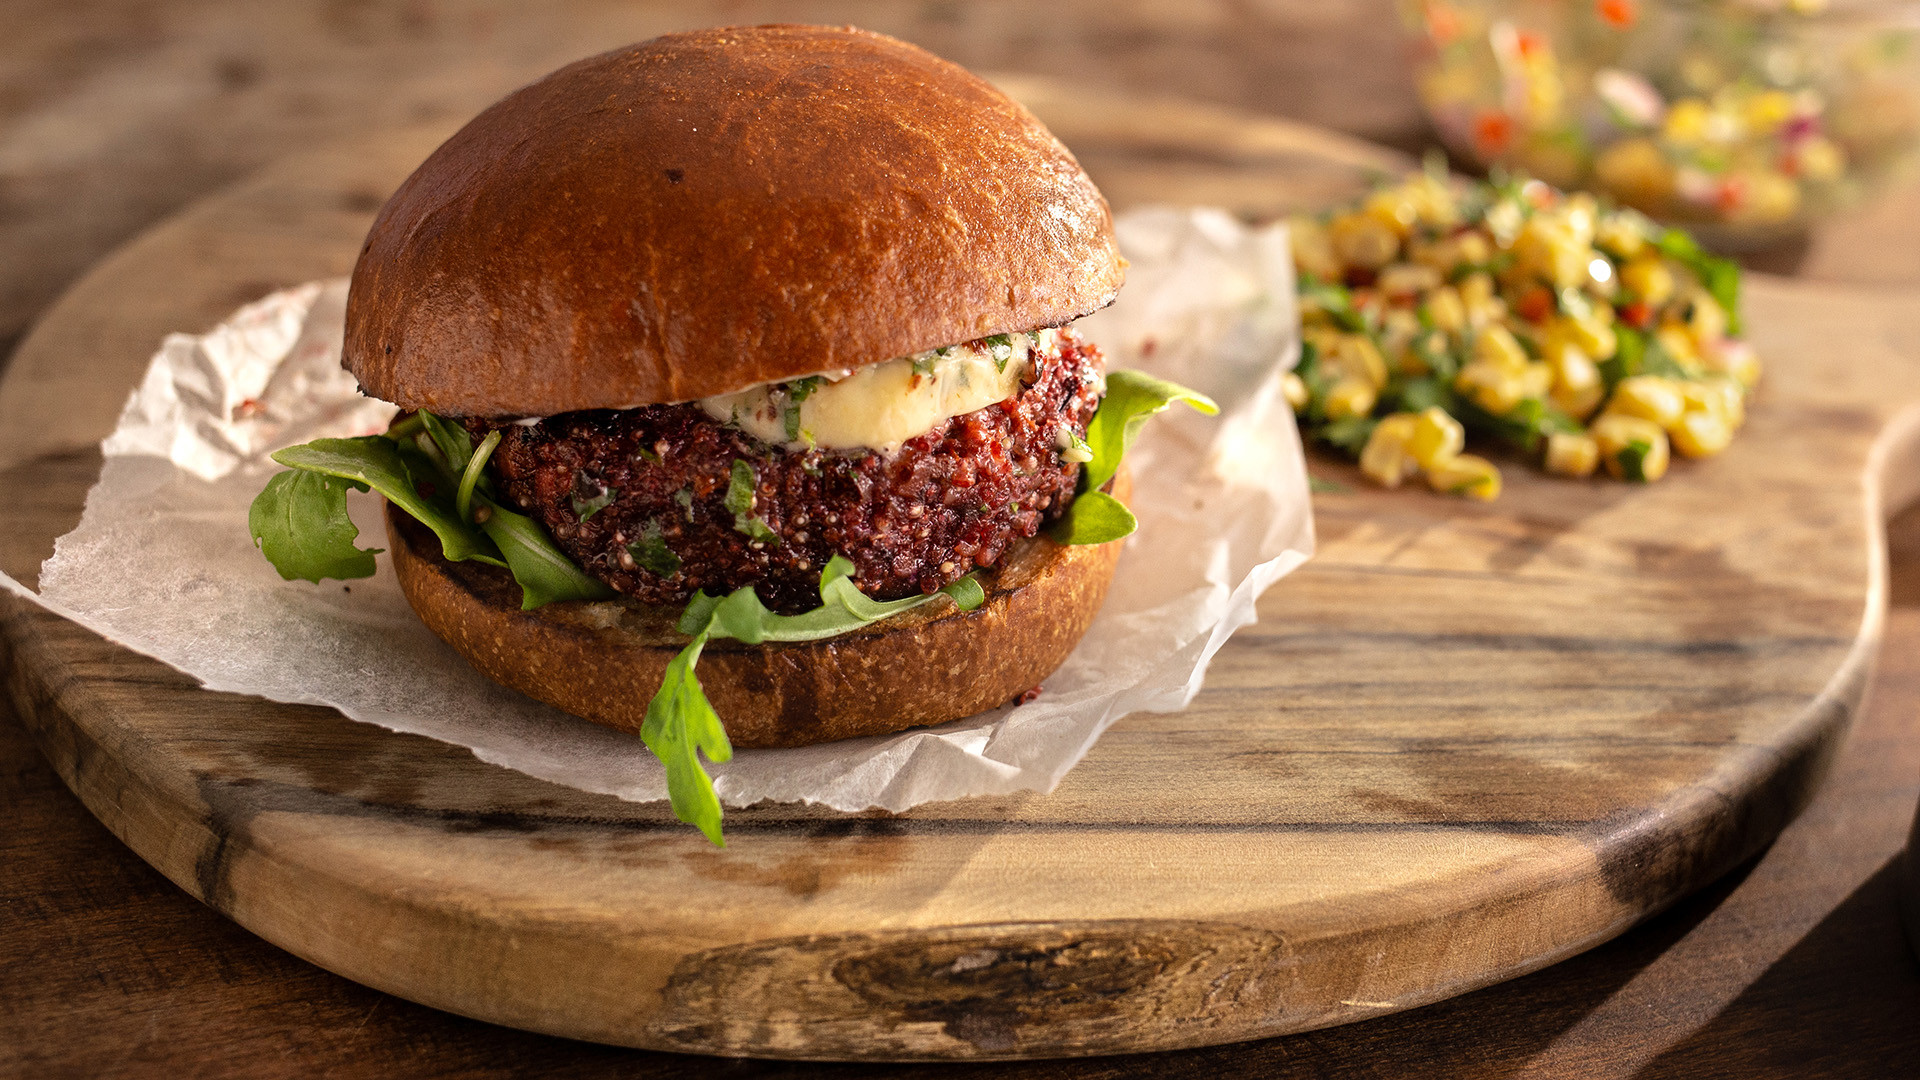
point(1744, 120)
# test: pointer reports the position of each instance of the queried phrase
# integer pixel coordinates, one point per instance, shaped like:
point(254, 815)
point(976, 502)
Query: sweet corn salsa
point(1588, 338)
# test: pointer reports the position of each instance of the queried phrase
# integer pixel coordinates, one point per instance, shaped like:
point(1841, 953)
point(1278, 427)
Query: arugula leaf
point(413, 480)
point(680, 719)
point(1132, 397)
point(685, 498)
point(451, 439)
point(1421, 393)
point(1335, 300)
point(680, 725)
point(1523, 426)
point(740, 614)
point(651, 551)
point(1094, 518)
point(967, 593)
point(473, 475)
point(400, 475)
point(1720, 277)
point(1349, 433)
point(300, 523)
point(1628, 354)
point(543, 571)
point(1638, 354)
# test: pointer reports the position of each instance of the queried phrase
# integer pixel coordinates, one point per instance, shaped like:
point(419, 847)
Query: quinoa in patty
point(664, 500)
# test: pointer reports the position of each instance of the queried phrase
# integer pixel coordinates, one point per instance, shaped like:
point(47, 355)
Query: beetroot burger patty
point(665, 500)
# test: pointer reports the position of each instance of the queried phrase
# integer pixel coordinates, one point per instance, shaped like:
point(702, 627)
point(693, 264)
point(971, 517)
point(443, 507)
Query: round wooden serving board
point(1464, 742)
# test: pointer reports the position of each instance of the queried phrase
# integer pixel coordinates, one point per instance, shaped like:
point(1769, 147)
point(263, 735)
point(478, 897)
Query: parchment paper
point(162, 563)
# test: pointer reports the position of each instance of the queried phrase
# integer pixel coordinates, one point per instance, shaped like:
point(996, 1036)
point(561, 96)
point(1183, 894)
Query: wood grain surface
point(1464, 743)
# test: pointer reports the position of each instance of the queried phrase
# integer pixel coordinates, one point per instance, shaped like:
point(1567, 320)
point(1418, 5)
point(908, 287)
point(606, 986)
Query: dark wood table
point(113, 113)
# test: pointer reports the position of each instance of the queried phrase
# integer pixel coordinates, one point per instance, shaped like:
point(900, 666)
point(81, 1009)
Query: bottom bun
point(603, 660)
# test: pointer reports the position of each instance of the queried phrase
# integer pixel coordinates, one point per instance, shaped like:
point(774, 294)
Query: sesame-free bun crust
point(603, 660)
point(712, 210)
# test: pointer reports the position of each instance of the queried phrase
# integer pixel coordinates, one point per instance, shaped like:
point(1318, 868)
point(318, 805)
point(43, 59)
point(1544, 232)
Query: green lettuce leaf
point(300, 523)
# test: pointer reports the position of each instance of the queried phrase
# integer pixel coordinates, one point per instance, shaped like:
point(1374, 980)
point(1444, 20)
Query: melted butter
point(879, 407)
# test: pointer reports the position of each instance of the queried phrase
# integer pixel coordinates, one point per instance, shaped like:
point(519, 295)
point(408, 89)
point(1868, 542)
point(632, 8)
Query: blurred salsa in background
point(1745, 120)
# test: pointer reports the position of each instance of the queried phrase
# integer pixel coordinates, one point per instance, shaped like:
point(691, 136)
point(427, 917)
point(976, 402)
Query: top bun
point(708, 211)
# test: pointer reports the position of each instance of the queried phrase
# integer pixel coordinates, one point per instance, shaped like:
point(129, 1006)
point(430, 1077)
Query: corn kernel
point(1436, 437)
point(1473, 248)
point(1621, 234)
point(1648, 278)
point(1701, 434)
point(1358, 357)
point(1553, 251)
point(1294, 389)
point(1570, 454)
point(1633, 447)
point(1407, 279)
point(1679, 343)
point(1491, 387)
point(1385, 459)
point(1536, 380)
point(1497, 346)
point(1313, 249)
point(1651, 397)
point(1445, 310)
point(1767, 110)
point(1433, 201)
point(1718, 395)
point(1392, 208)
point(1733, 358)
point(1350, 397)
point(1686, 123)
point(1706, 320)
point(1466, 474)
point(1577, 388)
point(1595, 335)
point(1363, 241)
point(1483, 307)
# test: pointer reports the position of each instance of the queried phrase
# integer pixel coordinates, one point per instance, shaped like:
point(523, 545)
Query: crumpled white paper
point(161, 561)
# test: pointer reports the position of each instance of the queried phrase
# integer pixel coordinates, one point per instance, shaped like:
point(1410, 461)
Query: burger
point(740, 401)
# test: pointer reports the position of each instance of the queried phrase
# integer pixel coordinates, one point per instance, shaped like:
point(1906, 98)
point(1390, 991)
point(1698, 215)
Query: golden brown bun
point(708, 211)
point(604, 660)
